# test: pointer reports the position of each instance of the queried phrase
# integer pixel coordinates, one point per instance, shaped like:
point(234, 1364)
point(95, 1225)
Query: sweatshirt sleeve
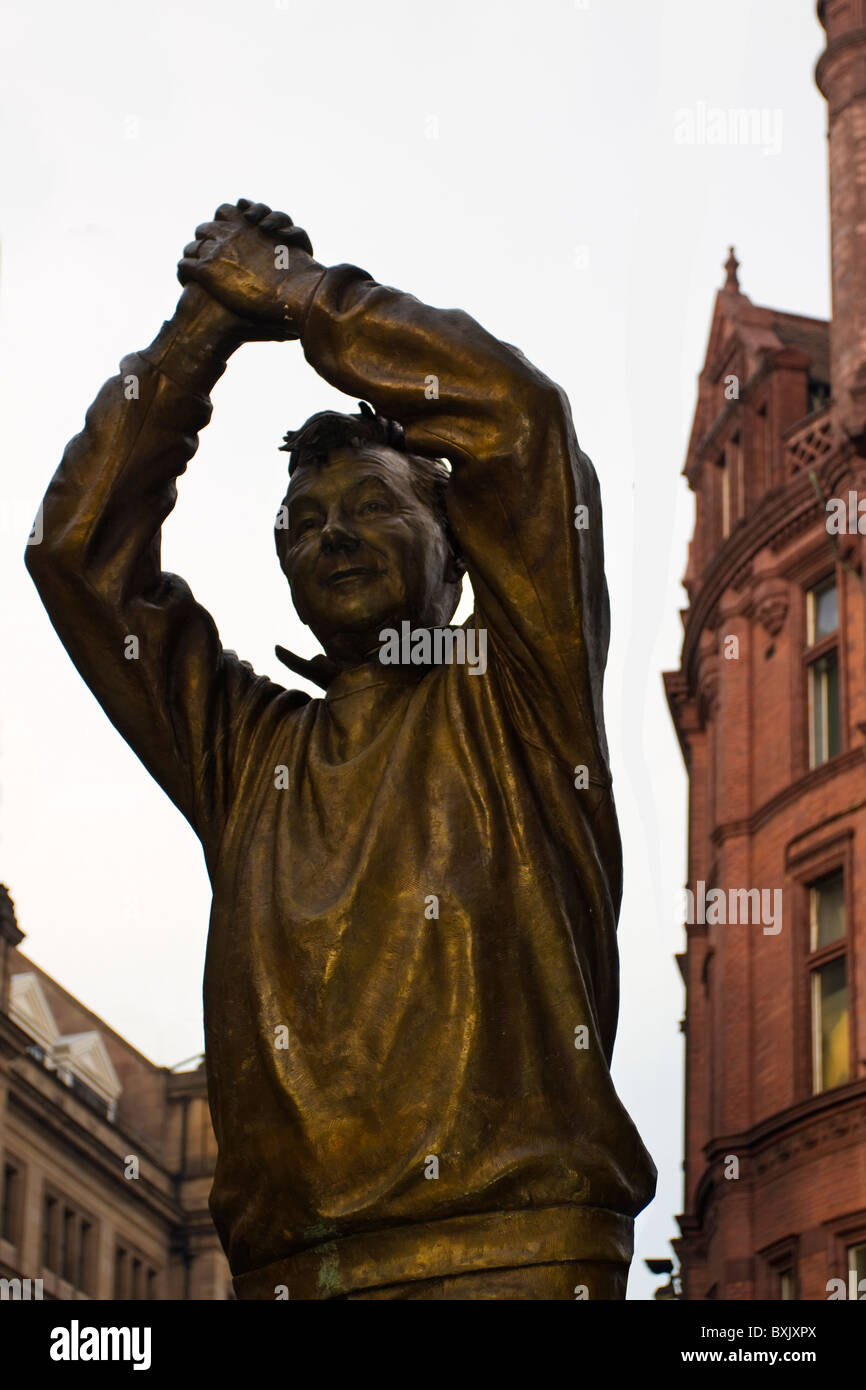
point(524, 498)
point(148, 651)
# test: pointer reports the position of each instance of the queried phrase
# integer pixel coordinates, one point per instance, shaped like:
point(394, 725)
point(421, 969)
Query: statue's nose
point(336, 536)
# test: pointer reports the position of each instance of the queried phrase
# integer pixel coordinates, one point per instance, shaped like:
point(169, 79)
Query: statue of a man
point(411, 984)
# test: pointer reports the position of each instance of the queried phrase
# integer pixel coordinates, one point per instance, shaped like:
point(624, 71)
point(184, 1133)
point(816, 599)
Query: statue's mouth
point(350, 575)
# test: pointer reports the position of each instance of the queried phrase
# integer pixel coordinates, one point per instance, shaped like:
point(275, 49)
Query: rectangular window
point(828, 969)
point(67, 1247)
point(765, 471)
point(739, 476)
point(827, 911)
point(62, 1233)
point(830, 1046)
point(49, 1224)
point(822, 672)
point(82, 1269)
point(857, 1263)
point(777, 1270)
point(823, 709)
point(151, 1283)
point(136, 1279)
point(120, 1263)
point(11, 1191)
point(726, 500)
point(823, 611)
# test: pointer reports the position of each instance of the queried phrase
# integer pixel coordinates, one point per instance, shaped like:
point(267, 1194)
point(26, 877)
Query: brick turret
point(841, 77)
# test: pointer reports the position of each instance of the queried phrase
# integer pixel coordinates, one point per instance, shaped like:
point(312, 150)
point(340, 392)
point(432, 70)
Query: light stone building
point(106, 1160)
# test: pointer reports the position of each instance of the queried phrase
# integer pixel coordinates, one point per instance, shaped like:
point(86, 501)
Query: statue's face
point(364, 552)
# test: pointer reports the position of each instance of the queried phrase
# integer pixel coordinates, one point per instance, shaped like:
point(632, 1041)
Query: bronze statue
point(411, 985)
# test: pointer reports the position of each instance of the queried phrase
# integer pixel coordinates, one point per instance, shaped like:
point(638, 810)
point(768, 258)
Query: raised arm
point(150, 653)
point(524, 500)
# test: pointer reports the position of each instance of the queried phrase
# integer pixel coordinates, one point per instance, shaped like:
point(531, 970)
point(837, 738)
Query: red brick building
point(770, 708)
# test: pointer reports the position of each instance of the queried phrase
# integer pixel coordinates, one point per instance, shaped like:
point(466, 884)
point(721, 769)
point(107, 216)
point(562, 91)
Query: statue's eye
point(374, 506)
point(305, 524)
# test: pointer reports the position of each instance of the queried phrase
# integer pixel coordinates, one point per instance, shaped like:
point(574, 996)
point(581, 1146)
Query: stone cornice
point(794, 791)
point(774, 514)
point(801, 1132)
point(782, 513)
point(13, 1040)
point(90, 1145)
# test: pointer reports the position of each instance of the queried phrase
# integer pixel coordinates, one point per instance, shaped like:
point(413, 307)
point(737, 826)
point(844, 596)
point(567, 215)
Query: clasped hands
point(256, 264)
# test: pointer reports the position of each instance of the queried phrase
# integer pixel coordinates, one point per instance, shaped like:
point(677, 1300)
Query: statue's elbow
point(34, 553)
point(49, 556)
point(533, 408)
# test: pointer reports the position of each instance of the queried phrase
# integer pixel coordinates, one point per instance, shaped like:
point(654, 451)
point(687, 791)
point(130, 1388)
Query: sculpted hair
point(327, 430)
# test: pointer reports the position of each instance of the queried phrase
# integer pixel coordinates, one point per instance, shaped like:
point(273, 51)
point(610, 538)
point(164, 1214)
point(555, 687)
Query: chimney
point(841, 78)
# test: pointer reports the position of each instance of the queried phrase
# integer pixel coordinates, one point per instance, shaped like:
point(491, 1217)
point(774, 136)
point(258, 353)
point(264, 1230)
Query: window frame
point(120, 1273)
point(136, 1279)
point(845, 1232)
point(48, 1233)
point(816, 961)
point(84, 1254)
point(777, 1260)
point(61, 1240)
point(724, 497)
point(736, 455)
point(814, 651)
point(817, 858)
point(11, 1200)
point(857, 1245)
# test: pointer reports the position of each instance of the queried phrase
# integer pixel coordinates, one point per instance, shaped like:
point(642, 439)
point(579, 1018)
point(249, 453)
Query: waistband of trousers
point(436, 1249)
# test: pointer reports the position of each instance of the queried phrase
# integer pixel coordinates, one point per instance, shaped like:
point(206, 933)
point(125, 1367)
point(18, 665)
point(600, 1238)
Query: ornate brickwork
point(775, 1187)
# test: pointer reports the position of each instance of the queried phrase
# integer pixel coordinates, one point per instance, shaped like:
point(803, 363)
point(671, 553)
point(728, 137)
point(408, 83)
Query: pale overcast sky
point(524, 163)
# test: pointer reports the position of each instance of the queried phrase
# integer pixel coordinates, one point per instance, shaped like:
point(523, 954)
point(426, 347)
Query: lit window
point(830, 1024)
point(857, 1265)
point(786, 1284)
point(829, 983)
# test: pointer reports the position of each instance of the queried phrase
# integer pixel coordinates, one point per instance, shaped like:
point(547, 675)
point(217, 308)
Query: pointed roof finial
point(732, 265)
